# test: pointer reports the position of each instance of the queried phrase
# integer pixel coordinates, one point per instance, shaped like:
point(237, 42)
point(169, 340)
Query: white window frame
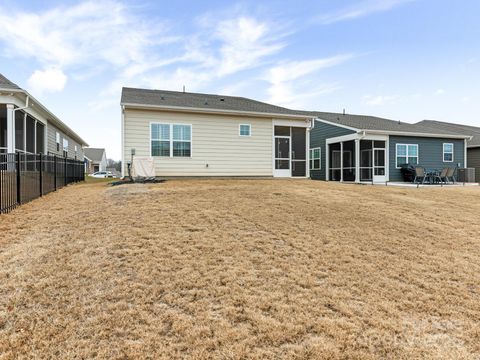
point(407, 154)
point(249, 130)
point(57, 141)
point(171, 141)
point(444, 152)
point(312, 158)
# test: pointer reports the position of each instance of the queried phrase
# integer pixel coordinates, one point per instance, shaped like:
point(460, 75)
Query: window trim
point(443, 152)
point(249, 130)
point(170, 140)
point(407, 155)
point(57, 140)
point(312, 158)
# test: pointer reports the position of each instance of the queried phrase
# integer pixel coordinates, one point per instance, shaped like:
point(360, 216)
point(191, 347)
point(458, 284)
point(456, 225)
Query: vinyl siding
point(430, 153)
point(215, 142)
point(318, 137)
point(52, 144)
point(473, 161)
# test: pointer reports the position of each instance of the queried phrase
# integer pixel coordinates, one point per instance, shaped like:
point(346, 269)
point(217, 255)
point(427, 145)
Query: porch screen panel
point(366, 160)
point(3, 128)
point(349, 161)
point(40, 138)
point(335, 162)
point(19, 145)
point(30, 135)
point(299, 152)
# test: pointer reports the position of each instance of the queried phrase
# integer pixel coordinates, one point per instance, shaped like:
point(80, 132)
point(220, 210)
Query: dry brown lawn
point(242, 269)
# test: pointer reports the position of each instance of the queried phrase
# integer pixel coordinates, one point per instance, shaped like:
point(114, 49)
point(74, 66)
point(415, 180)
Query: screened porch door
point(282, 157)
point(379, 165)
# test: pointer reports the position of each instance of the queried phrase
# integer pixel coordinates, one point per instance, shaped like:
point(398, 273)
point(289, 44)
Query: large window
point(182, 136)
point(406, 154)
point(315, 163)
point(447, 152)
point(171, 140)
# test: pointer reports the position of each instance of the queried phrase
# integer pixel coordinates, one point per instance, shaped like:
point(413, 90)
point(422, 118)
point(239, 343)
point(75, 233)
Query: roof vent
point(222, 99)
point(206, 102)
point(343, 111)
point(162, 97)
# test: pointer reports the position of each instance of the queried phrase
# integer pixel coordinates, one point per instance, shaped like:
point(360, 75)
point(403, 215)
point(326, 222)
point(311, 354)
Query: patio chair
point(451, 175)
point(420, 174)
point(442, 176)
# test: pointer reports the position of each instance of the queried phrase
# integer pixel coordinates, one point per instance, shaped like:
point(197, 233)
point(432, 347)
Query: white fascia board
point(342, 138)
point(305, 123)
point(214, 111)
point(407, 133)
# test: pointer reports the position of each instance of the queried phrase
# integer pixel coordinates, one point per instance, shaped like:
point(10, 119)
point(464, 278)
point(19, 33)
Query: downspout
point(123, 141)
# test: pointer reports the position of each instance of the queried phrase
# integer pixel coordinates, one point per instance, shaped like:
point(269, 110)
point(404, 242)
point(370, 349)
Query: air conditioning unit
point(466, 175)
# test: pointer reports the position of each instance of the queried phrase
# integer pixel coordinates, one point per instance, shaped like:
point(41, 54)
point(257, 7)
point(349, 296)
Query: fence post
point(19, 185)
point(65, 168)
point(55, 172)
point(41, 175)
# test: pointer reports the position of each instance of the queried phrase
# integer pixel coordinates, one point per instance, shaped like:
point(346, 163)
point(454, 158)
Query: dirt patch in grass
point(238, 269)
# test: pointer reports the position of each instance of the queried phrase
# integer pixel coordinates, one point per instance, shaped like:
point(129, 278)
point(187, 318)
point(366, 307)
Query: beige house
point(191, 134)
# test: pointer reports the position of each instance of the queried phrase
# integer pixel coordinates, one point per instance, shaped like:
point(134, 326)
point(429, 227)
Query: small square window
point(245, 130)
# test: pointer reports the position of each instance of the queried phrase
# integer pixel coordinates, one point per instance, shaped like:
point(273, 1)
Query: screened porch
point(354, 158)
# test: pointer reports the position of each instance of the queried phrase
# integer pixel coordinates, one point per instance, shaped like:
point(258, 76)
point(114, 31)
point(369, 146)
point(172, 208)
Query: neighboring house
point(361, 148)
point(28, 126)
point(190, 134)
point(473, 145)
point(95, 160)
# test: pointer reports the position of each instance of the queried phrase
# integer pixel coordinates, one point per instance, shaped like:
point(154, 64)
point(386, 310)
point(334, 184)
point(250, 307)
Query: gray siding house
point(360, 148)
point(473, 144)
point(27, 126)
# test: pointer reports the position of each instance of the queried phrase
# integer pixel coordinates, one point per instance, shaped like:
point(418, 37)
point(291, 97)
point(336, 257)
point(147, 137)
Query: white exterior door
point(282, 161)
point(379, 173)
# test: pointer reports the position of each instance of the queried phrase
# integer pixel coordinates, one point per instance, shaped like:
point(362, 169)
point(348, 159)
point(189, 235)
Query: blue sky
point(401, 59)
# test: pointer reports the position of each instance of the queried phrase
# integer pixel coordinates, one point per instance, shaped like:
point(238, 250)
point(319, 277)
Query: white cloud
point(245, 41)
point(440, 92)
point(287, 80)
point(48, 80)
point(361, 9)
point(83, 38)
point(379, 100)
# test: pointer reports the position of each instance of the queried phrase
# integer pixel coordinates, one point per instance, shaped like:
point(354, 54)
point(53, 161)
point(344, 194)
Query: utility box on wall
point(466, 175)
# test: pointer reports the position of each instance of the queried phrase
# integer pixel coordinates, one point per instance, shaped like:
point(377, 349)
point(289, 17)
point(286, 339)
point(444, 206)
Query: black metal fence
point(24, 177)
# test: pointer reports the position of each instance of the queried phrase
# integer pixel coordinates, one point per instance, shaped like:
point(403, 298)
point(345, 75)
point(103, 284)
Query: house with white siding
point(192, 134)
point(27, 126)
point(95, 160)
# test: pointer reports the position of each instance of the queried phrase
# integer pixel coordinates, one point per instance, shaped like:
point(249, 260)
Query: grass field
point(242, 269)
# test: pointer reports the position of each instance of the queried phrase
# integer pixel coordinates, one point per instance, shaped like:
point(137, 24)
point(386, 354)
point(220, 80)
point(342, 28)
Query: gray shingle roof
point(7, 84)
point(365, 122)
point(456, 128)
point(200, 101)
point(167, 98)
point(94, 154)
